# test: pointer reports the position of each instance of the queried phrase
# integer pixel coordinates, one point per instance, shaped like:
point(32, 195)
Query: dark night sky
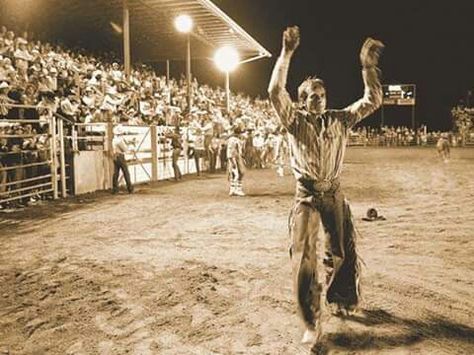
point(428, 43)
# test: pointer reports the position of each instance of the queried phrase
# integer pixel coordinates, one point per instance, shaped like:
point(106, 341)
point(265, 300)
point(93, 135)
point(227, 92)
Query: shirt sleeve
point(283, 105)
point(371, 100)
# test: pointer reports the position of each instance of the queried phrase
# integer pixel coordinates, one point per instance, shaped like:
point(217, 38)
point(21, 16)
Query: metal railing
point(31, 170)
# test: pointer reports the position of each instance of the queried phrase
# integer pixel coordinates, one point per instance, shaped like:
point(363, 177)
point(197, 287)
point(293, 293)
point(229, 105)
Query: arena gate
point(34, 162)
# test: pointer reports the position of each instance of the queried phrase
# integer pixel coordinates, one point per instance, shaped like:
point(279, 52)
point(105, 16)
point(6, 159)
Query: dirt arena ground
point(181, 268)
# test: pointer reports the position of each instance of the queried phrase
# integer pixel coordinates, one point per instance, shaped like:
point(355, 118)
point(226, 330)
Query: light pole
point(227, 59)
point(184, 24)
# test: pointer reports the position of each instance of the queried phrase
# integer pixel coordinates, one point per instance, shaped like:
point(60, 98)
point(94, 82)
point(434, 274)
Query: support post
point(185, 148)
point(413, 121)
point(154, 153)
point(227, 91)
point(126, 38)
point(53, 157)
point(62, 159)
point(188, 71)
point(168, 84)
point(382, 121)
point(109, 155)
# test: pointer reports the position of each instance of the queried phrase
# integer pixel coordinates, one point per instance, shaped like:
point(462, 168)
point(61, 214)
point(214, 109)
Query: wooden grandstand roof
point(153, 36)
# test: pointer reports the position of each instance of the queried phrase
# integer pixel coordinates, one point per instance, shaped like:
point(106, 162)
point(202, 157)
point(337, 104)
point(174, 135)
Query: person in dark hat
point(177, 147)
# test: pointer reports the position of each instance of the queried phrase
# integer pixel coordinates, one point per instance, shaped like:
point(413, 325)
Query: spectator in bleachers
point(5, 100)
point(22, 58)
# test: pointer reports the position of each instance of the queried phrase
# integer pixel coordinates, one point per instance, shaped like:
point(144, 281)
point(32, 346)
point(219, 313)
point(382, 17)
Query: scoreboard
point(399, 95)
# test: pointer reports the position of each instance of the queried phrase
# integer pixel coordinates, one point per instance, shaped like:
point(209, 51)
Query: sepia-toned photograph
point(220, 177)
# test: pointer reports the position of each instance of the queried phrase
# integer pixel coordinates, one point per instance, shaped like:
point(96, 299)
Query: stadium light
point(227, 59)
point(183, 23)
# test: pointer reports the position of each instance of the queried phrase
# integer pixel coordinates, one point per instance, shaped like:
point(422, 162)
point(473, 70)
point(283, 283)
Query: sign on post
point(399, 95)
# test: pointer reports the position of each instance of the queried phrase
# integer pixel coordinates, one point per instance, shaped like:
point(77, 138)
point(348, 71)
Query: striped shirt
point(317, 143)
point(234, 147)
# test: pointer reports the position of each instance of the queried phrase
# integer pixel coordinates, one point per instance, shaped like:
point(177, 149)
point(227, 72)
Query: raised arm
point(372, 99)
point(279, 96)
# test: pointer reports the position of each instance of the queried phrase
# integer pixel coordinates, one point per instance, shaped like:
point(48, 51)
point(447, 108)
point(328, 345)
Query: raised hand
point(370, 52)
point(291, 39)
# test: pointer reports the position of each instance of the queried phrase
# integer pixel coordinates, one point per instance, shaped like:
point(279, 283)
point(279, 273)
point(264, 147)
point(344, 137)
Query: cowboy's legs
point(175, 158)
point(303, 225)
point(343, 282)
point(232, 173)
point(121, 164)
point(236, 174)
point(126, 173)
point(115, 177)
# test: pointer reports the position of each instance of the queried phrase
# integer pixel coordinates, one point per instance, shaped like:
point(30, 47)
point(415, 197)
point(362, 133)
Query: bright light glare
point(183, 23)
point(116, 27)
point(226, 59)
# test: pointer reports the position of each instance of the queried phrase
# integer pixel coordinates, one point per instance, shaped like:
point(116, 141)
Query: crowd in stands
point(85, 89)
point(399, 136)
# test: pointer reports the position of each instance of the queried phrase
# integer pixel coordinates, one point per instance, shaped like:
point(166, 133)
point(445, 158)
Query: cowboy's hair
point(306, 85)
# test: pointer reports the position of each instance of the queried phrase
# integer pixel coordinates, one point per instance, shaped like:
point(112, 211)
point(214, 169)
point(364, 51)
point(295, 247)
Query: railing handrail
point(25, 151)
point(64, 118)
point(22, 166)
point(22, 121)
point(21, 106)
point(26, 180)
point(91, 124)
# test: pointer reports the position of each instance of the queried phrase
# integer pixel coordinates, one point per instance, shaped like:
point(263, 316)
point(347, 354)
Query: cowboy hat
point(118, 130)
point(373, 215)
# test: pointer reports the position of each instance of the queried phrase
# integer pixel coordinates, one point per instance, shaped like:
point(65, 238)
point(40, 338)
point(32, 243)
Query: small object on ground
point(373, 215)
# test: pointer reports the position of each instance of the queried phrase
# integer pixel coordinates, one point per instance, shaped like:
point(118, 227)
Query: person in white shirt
point(116, 74)
point(258, 144)
point(120, 148)
point(235, 163)
point(198, 149)
point(22, 58)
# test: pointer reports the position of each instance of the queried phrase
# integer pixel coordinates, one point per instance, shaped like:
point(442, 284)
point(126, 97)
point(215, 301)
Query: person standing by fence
point(177, 146)
point(214, 152)
point(120, 148)
point(235, 163)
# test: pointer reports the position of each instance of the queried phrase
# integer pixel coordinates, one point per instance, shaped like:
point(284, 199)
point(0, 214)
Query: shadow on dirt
point(412, 332)
point(27, 218)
